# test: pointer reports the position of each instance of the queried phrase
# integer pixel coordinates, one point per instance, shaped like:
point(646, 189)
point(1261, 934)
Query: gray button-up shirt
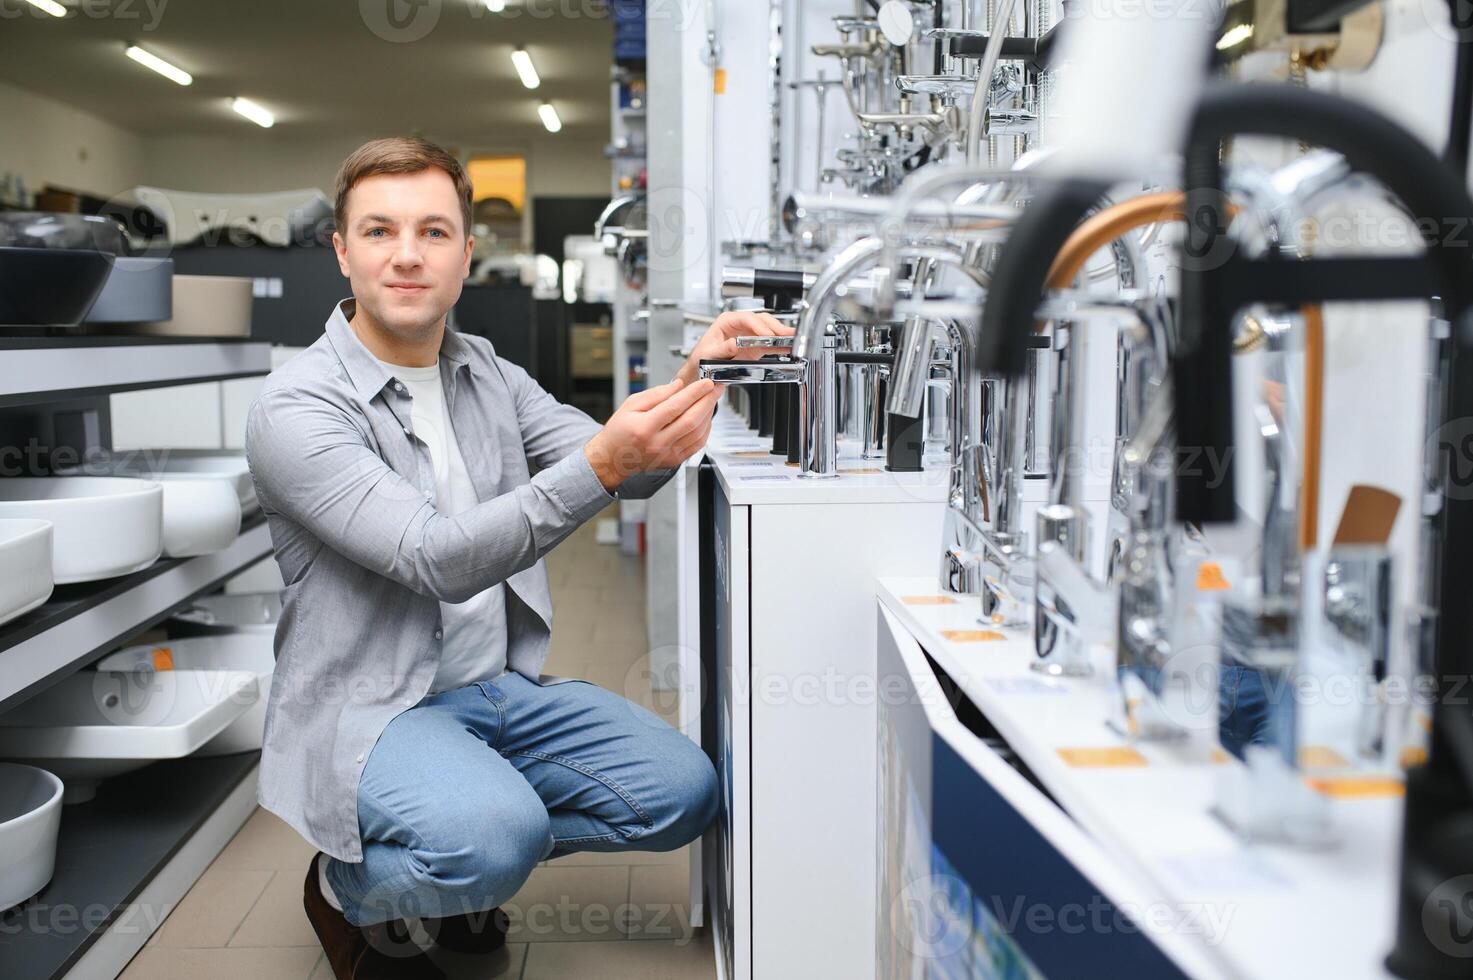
point(348, 492)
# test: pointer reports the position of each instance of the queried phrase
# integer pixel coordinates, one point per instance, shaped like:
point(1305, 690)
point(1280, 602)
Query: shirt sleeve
point(312, 464)
point(552, 431)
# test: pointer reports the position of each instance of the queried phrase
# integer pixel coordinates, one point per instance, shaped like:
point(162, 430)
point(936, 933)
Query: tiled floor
point(611, 917)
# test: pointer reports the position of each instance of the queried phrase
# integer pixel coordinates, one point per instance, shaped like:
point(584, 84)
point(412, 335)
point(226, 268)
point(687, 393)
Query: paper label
point(163, 658)
point(1359, 788)
point(972, 636)
point(1104, 757)
point(1210, 577)
point(927, 600)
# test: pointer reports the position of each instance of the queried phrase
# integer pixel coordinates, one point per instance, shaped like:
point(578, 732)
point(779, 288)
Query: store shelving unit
point(127, 857)
point(82, 622)
point(36, 369)
point(631, 330)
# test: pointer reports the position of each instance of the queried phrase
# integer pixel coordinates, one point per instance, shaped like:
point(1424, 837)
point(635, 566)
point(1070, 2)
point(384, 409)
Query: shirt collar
point(367, 373)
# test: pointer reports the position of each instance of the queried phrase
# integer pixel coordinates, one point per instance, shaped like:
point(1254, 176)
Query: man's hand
point(654, 429)
point(719, 341)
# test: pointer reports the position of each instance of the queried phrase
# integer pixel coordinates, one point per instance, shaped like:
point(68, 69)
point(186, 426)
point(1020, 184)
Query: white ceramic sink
point(222, 651)
point(103, 526)
point(95, 724)
point(183, 464)
point(25, 557)
point(30, 816)
point(200, 517)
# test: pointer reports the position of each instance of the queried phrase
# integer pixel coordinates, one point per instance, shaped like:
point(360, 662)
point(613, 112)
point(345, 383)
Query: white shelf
point(1285, 908)
point(82, 621)
point(38, 369)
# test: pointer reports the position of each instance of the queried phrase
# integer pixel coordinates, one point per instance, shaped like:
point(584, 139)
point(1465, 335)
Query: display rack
point(37, 369)
point(82, 622)
point(125, 859)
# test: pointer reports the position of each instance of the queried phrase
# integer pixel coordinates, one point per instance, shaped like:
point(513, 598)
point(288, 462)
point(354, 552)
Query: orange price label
point(1108, 757)
point(927, 600)
point(1362, 788)
point(972, 636)
point(163, 658)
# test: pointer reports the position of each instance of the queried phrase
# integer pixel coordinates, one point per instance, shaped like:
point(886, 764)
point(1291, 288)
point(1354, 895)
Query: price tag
point(1359, 788)
point(927, 600)
point(1104, 757)
point(972, 636)
point(163, 658)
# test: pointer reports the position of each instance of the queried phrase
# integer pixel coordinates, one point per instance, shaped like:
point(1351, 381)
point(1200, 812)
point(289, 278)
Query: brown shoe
point(476, 933)
point(382, 952)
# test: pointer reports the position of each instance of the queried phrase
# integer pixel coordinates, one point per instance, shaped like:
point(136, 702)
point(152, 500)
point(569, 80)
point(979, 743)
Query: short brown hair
point(399, 155)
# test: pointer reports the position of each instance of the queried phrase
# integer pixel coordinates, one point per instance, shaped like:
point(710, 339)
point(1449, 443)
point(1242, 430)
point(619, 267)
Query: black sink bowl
point(43, 229)
point(50, 286)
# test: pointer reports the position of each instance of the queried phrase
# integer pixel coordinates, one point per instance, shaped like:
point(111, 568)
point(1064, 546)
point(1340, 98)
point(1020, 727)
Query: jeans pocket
point(493, 693)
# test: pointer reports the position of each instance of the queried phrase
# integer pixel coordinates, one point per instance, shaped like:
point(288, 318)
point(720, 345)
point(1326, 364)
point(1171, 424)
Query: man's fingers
point(673, 407)
point(697, 414)
point(741, 323)
point(642, 401)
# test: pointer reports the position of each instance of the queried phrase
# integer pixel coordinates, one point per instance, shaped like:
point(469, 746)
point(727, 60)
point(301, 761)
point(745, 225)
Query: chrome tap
point(816, 381)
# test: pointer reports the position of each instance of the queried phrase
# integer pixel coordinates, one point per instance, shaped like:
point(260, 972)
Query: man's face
point(404, 250)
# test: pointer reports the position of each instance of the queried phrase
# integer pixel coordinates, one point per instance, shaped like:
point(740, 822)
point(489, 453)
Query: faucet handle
point(777, 343)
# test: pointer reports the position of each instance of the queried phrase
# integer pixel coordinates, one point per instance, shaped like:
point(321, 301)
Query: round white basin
point(30, 815)
point(103, 526)
point(200, 516)
point(25, 555)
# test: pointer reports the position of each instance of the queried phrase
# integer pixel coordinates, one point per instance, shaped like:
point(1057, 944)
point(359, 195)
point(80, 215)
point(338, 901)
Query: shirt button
point(439, 634)
point(407, 432)
point(409, 702)
point(398, 386)
point(360, 758)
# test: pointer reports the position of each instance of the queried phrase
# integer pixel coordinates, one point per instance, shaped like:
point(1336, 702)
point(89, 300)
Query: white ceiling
point(323, 67)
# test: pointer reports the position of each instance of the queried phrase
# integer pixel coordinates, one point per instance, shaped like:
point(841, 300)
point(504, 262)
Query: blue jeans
point(1246, 715)
point(465, 792)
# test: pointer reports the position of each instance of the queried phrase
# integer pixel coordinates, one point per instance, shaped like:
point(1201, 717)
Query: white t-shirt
point(474, 647)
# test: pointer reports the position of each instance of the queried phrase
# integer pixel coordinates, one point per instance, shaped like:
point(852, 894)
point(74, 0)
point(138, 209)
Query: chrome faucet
point(818, 450)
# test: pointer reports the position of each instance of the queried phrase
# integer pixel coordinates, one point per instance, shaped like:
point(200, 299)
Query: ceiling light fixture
point(549, 117)
point(172, 72)
point(496, 6)
point(522, 62)
point(49, 6)
point(253, 112)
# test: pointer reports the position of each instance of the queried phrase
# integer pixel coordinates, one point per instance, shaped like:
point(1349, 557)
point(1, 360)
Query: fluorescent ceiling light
point(496, 6)
point(171, 72)
point(253, 112)
point(49, 6)
point(522, 62)
point(1234, 36)
point(549, 117)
